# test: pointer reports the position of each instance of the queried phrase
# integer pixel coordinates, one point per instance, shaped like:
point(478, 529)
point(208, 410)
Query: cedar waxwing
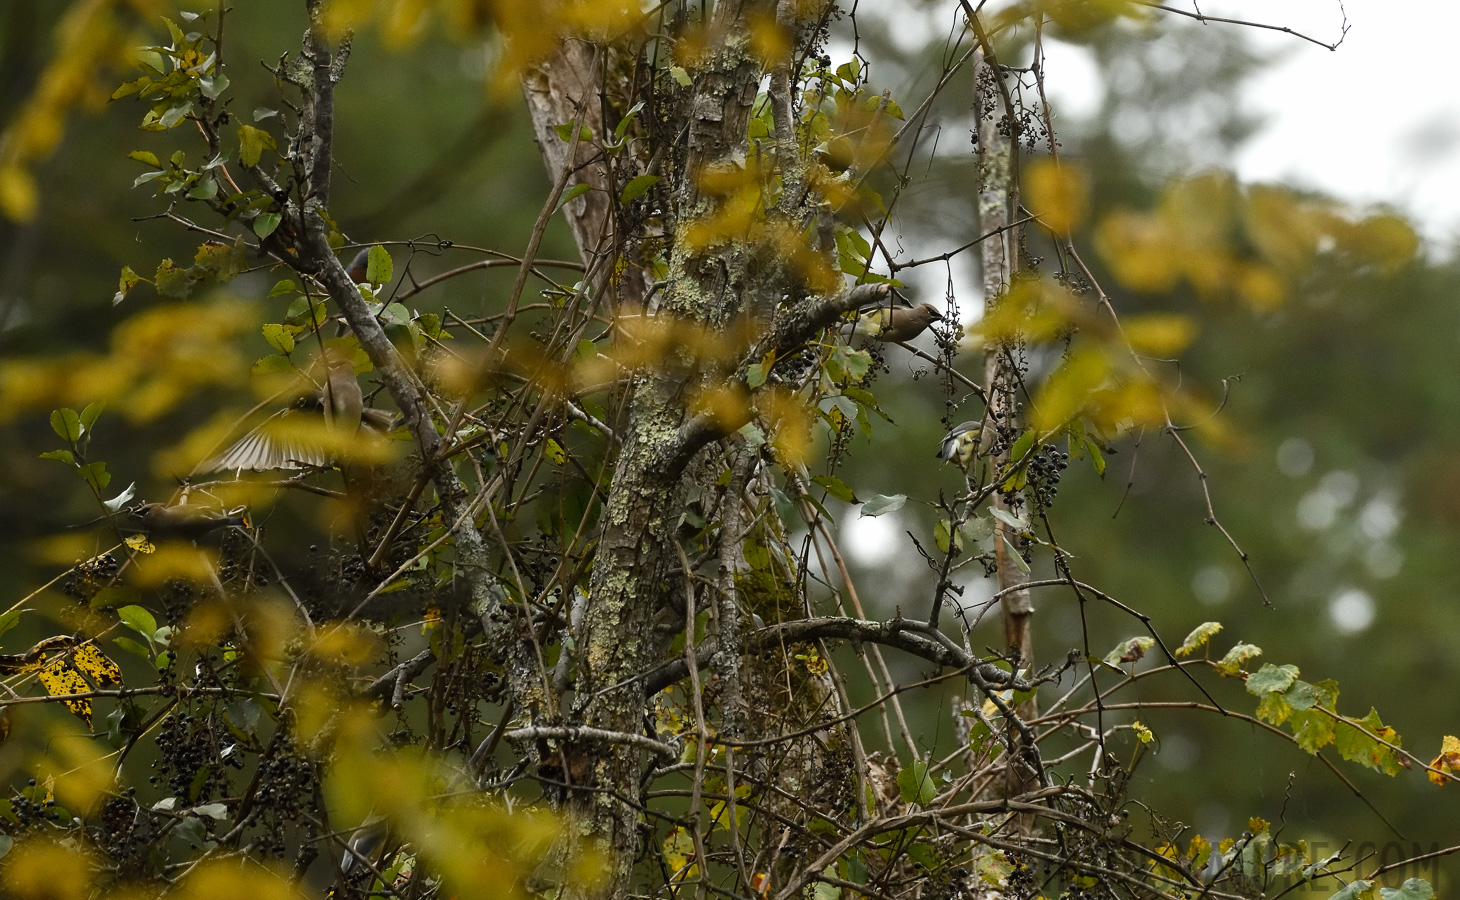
point(184, 520)
point(366, 840)
point(885, 324)
point(358, 266)
point(273, 446)
point(961, 443)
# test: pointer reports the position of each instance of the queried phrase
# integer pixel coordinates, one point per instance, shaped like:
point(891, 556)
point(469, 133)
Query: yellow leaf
point(1066, 392)
point(40, 869)
point(1057, 193)
point(346, 643)
point(59, 678)
point(17, 193)
point(140, 543)
point(1140, 250)
point(1261, 288)
point(1159, 334)
point(76, 768)
point(214, 879)
point(175, 560)
point(95, 664)
point(1448, 761)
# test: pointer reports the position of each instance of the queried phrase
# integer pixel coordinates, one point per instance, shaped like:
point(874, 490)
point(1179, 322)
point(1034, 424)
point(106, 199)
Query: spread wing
point(272, 445)
point(296, 438)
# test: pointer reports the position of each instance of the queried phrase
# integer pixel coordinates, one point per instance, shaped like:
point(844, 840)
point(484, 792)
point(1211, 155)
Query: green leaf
point(145, 156)
point(265, 223)
point(836, 487)
point(1359, 890)
point(132, 87)
point(1412, 889)
point(1097, 459)
point(883, 503)
point(914, 784)
point(212, 86)
point(125, 283)
point(573, 192)
point(623, 124)
point(554, 452)
point(1015, 522)
point(638, 187)
point(1357, 741)
point(283, 287)
point(251, 144)
point(944, 537)
point(67, 425)
point(9, 620)
point(379, 269)
point(679, 74)
point(977, 528)
point(133, 647)
point(755, 375)
point(1016, 556)
point(175, 115)
point(96, 475)
point(1200, 636)
point(279, 337)
point(205, 188)
point(89, 414)
point(565, 131)
point(65, 456)
point(114, 596)
point(272, 365)
point(1237, 657)
point(139, 620)
point(172, 281)
point(1271, 678)
point(1129, 651)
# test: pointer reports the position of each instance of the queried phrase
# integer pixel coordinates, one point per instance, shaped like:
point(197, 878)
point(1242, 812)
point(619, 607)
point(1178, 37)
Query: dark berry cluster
point(191, 761)
point(31, 806)
point(126, 833)
point(285, 792)
point(89, 577)
point(1044, 475)
point(1019, 883)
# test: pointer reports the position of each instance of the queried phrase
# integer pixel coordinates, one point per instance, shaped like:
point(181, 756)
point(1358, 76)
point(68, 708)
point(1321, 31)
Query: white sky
point(1377, 121)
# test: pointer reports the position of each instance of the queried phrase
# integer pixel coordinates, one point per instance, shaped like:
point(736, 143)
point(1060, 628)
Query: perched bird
point(885, 324)
point(366, 842)
point(358, 266)
point(183, 520)
point(317, 430)
point(960, 444)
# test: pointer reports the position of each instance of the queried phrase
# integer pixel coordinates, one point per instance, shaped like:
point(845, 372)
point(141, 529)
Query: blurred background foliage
point(1329, 407)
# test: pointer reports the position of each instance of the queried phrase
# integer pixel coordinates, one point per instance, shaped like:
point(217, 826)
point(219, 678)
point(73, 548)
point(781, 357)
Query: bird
point(366, 842)
point(316, 430)
point(961, 443)
point(884, 324)
point(358, 266)
point(182, 520)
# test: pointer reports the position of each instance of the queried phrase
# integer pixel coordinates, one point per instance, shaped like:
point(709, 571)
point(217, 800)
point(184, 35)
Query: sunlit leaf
point(883, 503)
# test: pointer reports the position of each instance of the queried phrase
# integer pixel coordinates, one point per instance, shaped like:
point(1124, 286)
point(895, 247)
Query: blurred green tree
point(583, 625)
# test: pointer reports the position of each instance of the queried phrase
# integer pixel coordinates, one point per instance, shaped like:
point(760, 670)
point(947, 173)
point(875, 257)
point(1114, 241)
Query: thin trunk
point(998, 192)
